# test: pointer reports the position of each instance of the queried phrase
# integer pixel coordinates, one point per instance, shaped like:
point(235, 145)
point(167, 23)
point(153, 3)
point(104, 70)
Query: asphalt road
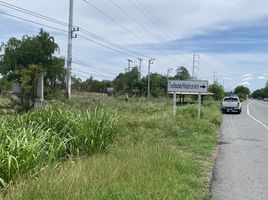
point(241, 170)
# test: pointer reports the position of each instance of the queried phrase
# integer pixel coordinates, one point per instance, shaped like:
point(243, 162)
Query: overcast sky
point(231, 36)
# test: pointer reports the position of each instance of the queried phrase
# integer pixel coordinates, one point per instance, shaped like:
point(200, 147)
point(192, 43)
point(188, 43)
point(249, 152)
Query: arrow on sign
point(203, 86)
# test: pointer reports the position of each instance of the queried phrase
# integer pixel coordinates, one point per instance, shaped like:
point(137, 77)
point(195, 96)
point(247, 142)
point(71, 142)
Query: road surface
point(241, 170)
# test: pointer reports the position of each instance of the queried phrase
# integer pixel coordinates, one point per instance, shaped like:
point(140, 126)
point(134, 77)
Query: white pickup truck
point(231, 104)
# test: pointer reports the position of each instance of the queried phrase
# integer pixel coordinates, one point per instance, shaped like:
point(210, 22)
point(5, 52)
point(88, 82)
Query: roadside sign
point(192, 86)
point(195, 86)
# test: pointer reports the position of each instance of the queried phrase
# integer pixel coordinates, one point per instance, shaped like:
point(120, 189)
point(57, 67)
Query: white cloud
point(261, 77)
point(247, 75)
point(246, 83)
point(247, 79)
point(227, 78)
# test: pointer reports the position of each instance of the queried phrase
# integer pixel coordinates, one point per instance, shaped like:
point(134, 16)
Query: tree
point(158, 85)
point(218, 91)
point(242, 91)
point(261, 93)
point(4, 84)
point(127, 82)
point(182, 74)
point(24, 59)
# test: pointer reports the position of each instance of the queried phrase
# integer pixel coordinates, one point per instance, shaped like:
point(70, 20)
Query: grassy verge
point(47, 135)
point(154, 157)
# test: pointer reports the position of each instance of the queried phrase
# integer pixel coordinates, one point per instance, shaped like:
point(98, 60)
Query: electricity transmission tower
point(196, 63)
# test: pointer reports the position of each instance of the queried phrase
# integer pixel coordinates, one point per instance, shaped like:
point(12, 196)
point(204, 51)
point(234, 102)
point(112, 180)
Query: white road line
point(265, 126)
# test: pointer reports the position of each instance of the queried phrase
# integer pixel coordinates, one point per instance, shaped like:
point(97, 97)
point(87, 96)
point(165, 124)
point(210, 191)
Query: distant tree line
point(131, 83)
point(261, 93)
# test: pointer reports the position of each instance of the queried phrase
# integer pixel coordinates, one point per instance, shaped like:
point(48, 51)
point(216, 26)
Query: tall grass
point(33, 140)
point(155, 156)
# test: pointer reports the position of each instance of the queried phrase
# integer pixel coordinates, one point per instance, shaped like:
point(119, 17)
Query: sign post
point(191, 87)
point(199, 105)
point(174, 103)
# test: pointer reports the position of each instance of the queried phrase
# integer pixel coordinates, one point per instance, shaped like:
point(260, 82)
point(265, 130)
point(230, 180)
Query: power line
point(65, 24)
point(91, 73)
point(118, 51)
point(90, 66)
point(112, 44)
point(143, 27)
point(126, 29)
point(152, 20)
point(28, 12)
point(20, 18)
point(25, 11)
point(158, 25)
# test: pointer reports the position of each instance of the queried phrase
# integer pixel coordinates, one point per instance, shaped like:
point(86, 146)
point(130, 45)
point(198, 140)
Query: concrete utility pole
point(168, 72)
point(196, 58)
point(71, 35)
point(140, 65)
point(128, 66)
point(149, 74)
point(214, 77)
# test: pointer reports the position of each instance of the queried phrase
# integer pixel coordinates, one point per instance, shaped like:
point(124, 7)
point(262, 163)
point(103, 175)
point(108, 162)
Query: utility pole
point(140, 67)
point(149, 74)
point(168, 72)
point(214, 77)
point(71, 35)
point(128, 68)
point(196, 58)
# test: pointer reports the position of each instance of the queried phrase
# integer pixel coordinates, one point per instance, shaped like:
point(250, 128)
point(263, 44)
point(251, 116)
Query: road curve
point(241, 169)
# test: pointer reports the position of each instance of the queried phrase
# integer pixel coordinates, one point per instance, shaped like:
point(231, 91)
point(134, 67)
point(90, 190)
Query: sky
point(230, 37)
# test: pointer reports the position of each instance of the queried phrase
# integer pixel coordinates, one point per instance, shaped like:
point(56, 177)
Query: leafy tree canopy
point(218, 90)
point(182, 74)
point(261, 93)
point(24, 59)
point(242, 92)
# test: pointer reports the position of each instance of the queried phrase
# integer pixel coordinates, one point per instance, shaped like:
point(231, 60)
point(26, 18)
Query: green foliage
point(158, 85)
point(218, 91)
point(24, 59)
point(5, 85)
point(261, 93)
point(127, 82)
point(90, 85)
point(33, 140)
point(182, 74)
point(242, 91)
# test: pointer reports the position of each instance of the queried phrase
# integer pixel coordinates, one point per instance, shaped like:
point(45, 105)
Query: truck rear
point(231, 104)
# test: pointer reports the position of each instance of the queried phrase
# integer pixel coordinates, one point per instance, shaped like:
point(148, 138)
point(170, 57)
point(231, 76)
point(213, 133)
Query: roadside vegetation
point(97, 146)
point(153, 156)
point(48, 135)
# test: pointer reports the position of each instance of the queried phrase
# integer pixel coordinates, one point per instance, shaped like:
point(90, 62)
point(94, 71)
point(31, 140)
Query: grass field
point(154, 156)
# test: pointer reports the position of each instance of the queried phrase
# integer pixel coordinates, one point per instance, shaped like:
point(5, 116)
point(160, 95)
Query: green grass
point(47, 135)
point(154, 156)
